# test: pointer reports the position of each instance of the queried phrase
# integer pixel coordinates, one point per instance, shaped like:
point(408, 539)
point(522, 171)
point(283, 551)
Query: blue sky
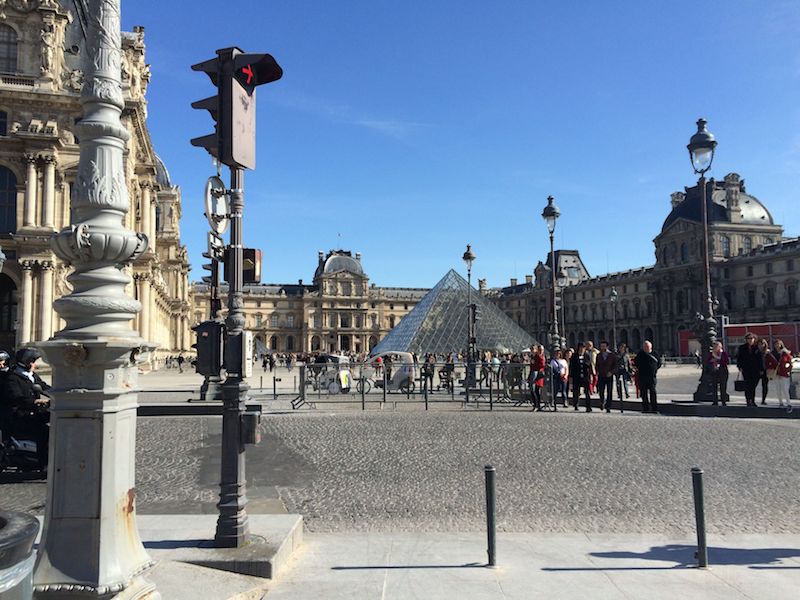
point(406, 129)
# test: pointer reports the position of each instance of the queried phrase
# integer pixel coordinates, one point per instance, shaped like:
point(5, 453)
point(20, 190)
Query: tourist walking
point(648, 362)
point(536, 377)
point(591, 354)
point(623, 373)
point(767, 359)
point(783, 372)
point(576, 374)
point(750, 363)
point(559, 369)
point(606, 363)
point(718, 361)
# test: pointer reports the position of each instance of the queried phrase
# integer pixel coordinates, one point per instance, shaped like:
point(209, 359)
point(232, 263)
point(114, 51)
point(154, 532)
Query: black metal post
point(700, 517)
point(232, 526)
point(363, 386)
point(491, 401)
point(489, 472)
point(384, 384)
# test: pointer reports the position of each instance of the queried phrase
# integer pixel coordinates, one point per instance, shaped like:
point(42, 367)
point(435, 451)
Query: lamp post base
point(705, 388)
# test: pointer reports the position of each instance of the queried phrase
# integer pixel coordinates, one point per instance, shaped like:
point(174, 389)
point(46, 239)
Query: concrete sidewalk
point(597, 566)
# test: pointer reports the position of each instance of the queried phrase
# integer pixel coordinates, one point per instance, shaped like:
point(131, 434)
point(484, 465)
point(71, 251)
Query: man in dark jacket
point(22, 391)
point(750, 363)
point(606, 363)
point(647, 363)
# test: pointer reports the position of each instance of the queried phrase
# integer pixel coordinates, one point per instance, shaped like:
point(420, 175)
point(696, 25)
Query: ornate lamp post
point(612, 297)
point(701, 152)
point(550, 215)
point(90, 545)
point(469, 258)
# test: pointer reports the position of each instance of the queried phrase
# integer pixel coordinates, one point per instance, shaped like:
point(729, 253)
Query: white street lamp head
point(613, 295)
point(701, 148)
point(550, 214)
point(562, 279)
point(469, 257)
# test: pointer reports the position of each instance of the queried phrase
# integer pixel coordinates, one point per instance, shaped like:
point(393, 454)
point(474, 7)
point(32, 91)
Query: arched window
point(290, 343)
point(273, 342)
point(8, 201)
point(748, 244)
point(725, 243)
point(8, 49)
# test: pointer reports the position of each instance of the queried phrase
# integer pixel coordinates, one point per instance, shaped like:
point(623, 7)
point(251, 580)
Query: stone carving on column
point(48, 49)
point(90, 508)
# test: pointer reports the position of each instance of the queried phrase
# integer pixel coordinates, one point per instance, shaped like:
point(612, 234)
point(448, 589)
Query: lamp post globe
point(550, 215)
point(702, 146)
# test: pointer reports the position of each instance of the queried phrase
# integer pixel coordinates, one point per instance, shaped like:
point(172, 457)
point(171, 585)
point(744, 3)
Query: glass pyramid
point(439, 323)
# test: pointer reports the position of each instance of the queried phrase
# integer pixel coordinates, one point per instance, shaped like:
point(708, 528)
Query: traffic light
point(251, 265)
point(236, 75)
point(211, 267)
point(208, 347)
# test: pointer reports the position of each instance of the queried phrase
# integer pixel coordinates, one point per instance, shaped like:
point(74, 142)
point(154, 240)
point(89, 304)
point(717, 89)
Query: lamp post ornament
point(90, 545)
point(613, 299)
point(701, 153)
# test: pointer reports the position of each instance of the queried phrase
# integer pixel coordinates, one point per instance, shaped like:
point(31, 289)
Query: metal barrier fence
point(430, 384)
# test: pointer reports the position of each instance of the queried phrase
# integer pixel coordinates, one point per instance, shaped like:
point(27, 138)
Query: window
point(770, 297)
point(791, 294)
point(748, 244)
point(768, 240)
point(790, 265)
point(684, 252)
point(728, 300)
point(290, 343)
point(359, 321)
point(726, 273)
point(344, 320)
point(635, 287)
point(751, 298)
point(273, 321)
point(374, 320)
point(347, 288)
point(769, 268)
point(750, 271)
point(391, 322)
point(8, 49)
point(8, 201)
point(290, 322)
point(317, 321)
point(725, 244)
point(258, 320)
point(3, 123)
point(8, 304)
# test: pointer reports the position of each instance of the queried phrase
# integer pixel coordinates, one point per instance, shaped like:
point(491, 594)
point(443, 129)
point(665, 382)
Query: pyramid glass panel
point(438, 323)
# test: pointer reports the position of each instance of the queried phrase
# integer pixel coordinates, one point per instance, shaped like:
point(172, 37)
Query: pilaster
point(31, 181)
point(46, 300)
point(49, 192)
point(26, 307)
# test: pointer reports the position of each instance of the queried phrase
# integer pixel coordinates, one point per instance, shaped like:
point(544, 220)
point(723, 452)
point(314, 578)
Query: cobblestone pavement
point(414, 471)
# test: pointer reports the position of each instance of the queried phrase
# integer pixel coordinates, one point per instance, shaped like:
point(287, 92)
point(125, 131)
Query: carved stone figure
point(48, 49)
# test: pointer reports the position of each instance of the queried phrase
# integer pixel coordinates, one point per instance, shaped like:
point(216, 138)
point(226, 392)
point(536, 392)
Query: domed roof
point(338, 261)
point(752, 210)
point(162, 175)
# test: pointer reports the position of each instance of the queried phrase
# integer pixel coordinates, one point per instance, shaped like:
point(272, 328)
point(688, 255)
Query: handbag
point(738, 385)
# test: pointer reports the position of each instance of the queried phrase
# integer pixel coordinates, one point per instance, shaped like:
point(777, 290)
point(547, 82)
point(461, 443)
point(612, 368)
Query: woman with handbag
point(751, 367)
point(536, 377)
point(783, 372)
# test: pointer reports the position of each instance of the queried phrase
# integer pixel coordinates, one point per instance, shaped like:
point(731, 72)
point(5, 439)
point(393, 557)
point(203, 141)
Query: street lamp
point(612, 297)
point(469, 379)
point(701, 153)
point(550, 215)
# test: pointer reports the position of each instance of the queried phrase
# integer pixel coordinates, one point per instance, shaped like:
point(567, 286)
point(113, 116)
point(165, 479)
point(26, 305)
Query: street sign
point(216, 203)
point(216, 247)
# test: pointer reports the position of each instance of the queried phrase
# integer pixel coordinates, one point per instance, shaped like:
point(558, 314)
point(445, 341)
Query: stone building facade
point(754, 276)
point(41, 42)
point(339, 311)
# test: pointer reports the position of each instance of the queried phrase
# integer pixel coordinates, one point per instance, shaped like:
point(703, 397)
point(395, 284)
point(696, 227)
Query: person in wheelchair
point(24, 406)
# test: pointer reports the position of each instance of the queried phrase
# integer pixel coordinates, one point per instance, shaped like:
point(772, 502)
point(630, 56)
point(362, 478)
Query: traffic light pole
point(211, 389)
point(232, 526)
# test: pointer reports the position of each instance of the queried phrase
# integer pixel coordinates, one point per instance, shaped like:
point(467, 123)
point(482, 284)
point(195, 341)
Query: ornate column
point(49, 192)
point(145, 298)
point(90, 545)
point(46, 300)
point(31, 181)
point(26, 307)
point(144, 209)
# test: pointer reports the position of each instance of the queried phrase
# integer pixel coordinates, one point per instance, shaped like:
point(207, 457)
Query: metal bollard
point(489, 472)
point(700, 517)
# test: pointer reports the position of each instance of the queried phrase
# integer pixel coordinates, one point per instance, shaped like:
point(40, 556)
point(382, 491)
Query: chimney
point(358, 256)
point(677, 198)
point(482, 285)
point(299, 282)
point(528, 278)
point(513, 281)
